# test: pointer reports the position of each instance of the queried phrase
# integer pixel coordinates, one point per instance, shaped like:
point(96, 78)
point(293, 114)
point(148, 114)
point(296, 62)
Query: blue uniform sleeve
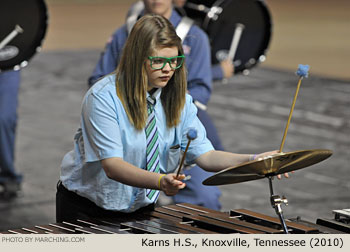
point(217, 72)
point(198, 61)
point(201, 144)
point(100, 126)
point(109, 59)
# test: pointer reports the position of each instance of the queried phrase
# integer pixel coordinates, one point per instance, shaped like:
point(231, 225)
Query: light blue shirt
point(106, 132)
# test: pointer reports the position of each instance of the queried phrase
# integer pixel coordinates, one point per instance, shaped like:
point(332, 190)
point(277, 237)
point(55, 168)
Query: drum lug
point(214, 12)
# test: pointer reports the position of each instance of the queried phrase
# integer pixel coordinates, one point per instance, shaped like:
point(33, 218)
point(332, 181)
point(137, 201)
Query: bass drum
point(22, 29)
point(219, 18)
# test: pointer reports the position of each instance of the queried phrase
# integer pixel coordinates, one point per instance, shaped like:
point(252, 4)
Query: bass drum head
point(220, 27)
point(29, 16)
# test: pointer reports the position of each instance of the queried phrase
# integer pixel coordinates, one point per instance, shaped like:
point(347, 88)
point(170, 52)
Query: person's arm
point(214, 161)
point(109, 59)
point(198, 64)
point(224, 69)
point(126, 173)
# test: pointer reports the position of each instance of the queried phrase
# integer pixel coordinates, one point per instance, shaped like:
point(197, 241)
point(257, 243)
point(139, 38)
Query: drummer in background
point(10, 180)
point(113, 170)
point(221, 71)
point(197, 51)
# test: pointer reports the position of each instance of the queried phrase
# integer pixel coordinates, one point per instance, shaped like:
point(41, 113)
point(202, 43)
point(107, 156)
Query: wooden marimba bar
point(182, 219)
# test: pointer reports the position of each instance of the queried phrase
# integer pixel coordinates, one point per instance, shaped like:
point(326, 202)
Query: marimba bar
point(191, 219)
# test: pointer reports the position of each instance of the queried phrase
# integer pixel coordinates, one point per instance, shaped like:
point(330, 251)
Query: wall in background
point(314, 32)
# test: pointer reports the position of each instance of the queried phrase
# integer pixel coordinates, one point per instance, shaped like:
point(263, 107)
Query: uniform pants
point(9, 88)
point(71, 206)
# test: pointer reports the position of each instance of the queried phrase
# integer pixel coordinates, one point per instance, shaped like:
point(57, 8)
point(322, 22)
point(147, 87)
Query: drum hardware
point(11, 36)
point(212, 12)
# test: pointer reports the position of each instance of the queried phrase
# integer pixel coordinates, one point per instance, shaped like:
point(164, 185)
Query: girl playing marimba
point(134, 125)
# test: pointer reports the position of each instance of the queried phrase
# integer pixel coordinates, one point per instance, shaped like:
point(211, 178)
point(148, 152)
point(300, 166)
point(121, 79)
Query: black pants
point(71, 206)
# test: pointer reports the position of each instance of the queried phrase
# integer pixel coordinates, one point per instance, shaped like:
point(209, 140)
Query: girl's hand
point(272, 153)
point(170, 184)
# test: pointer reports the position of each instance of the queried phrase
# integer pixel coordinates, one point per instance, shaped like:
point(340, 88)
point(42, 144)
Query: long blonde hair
point(149, 32)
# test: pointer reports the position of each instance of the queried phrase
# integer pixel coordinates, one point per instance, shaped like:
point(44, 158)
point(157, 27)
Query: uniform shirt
point(196, 49)
point(106, 132)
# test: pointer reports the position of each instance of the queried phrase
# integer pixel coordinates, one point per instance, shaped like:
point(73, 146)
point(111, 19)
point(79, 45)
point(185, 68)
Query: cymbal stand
point(276, 202)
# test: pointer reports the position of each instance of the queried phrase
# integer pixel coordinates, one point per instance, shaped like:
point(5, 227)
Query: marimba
point(191, 219)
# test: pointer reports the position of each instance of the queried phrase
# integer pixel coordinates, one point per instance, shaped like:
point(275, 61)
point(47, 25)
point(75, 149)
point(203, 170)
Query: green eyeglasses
point(160, 62)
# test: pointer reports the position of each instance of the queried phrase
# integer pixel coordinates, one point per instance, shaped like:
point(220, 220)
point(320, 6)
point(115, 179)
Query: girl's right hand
point(170, 184)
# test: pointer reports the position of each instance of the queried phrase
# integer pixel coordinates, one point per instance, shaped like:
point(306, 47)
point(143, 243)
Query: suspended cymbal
point(269, 166)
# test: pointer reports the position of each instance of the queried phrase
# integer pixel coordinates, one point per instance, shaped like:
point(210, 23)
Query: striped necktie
point(152, 150)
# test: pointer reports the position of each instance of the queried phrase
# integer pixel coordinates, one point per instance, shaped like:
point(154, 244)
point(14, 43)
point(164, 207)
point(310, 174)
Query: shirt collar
point(156, 96)
point(175, 18)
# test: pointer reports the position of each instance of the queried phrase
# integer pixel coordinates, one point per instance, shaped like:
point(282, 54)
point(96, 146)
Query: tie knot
point(151, 101)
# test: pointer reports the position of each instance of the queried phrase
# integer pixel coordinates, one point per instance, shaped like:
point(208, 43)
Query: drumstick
point(191, 135)
point(234, 44)
point(302, 72)
point(11, 36)
point(235, 40)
